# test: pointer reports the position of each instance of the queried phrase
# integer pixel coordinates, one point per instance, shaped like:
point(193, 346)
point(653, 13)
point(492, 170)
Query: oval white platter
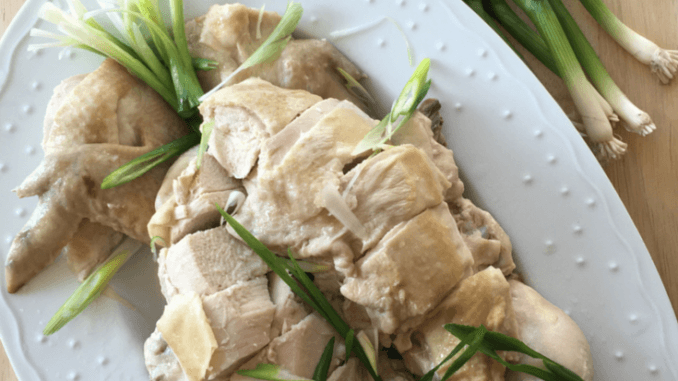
point(519, 157)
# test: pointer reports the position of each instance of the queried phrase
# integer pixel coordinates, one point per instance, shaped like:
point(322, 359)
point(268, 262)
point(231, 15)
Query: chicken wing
point(94, 124)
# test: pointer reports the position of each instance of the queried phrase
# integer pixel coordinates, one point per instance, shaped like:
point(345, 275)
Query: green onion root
point(594, 117)
point(635, 120)
point(663, 63)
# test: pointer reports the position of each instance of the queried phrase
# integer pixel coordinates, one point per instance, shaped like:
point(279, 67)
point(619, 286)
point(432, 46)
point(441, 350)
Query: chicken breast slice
point(419, 133)
point(483, 298)
point(549, 331)
point(298, 350)
point(285, 206)
point(207, 262)
point(411, 270)
point(245, 116)
point(289, 309)
point(190, 207)
point(107, 119)
point(228, 34)
point(392, 187)
point(241, 318)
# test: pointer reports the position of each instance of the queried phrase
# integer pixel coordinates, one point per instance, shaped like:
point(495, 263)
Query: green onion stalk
point(589, 103)
point(663, 63)
point(519, 29)
point(477, 7)
point(635, 120)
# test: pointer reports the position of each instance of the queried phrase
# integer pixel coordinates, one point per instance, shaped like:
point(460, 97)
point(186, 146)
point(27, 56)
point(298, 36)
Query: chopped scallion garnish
point(270, 372)
point(150, 160)
point(207, 128)
point(91, 288)
point(495, 341)
point(403, 108)
point(323, 367)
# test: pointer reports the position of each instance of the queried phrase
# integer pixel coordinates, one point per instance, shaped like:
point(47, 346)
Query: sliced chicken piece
point(419, 133)
point(91, 244)
point(207, 262)
point(488, 242)
point(106, 120)
point(411, 270)
point(228, 34)
point(245, 116)
point(161, 362)
point(241, 318)
point(279, 144)
point(549, 331)
point(298, 350)
point(289, 310)
point(483, 298)
point(285, 206)
point(392, 187)
point(190, 207)
point(166, 190)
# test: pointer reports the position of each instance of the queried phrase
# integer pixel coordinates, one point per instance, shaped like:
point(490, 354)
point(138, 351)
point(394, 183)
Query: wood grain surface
point(647, 177)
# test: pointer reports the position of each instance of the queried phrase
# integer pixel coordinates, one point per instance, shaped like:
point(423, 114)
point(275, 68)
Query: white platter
point(519, 156)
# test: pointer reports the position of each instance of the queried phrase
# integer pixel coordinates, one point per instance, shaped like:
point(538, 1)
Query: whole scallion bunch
point(562, 47)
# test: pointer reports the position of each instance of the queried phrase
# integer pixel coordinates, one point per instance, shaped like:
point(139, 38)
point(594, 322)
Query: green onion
point(635, 119)
point(154, 249)
point(357, 89)
point(105, 44)
point(477, 7)
point(204, 64)
point(368, 347)
point(305, 288)
point(270, 372)
point(91, 288)
point(148, 161)
point(204, 140)
point(403, 108)
point(523, 33)
point(589, 103)
point(323, 367)
point(348, 341)
point(474, 340)
point(664, 63)
point(495, 341)
point(271, 48)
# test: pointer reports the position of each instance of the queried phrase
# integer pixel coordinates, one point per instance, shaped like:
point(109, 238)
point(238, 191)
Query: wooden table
point(647, 177)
